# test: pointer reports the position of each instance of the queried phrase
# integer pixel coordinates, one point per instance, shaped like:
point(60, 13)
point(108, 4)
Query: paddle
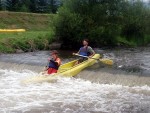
point(105, 61)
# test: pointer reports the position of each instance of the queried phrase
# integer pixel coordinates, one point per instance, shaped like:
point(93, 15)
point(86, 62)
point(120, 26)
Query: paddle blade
point(107, 61)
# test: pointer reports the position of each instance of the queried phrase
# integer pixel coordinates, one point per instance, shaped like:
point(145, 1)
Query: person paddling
point(54, 63)
point(85, 51)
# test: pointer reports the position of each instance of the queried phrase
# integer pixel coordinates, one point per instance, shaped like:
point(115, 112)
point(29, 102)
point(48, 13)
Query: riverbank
point(26, 41)
point(28, 21)
point(38, 36)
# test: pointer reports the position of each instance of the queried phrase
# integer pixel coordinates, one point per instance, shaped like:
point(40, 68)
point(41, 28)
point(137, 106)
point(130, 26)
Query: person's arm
point(92, 52)
point(57, 62)
point(77, 52)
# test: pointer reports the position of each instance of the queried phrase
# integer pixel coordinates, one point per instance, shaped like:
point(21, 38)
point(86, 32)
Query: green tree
point(102, 21)
point(0, 5)
point(25, 6)
point(135, 19)
point(36, 6)
point(44, 6)
point(3, 5)
point(33, 5)
point(53, 6)
point(13, 5)
point(93, 19)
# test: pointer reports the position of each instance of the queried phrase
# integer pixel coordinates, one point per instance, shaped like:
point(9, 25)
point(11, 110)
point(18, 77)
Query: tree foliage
point(0, 5)
point(13, 5)
point(36, 6)
point(102, 21)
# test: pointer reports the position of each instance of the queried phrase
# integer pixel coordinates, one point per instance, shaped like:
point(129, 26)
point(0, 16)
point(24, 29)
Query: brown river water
point(121, 88)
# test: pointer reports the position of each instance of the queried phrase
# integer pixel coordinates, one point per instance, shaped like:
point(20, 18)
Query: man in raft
point(85, 51)
point(54, 63)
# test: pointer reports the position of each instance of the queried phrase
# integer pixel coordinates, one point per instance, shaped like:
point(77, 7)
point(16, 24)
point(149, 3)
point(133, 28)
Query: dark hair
point(54, 52)
point(87, 40)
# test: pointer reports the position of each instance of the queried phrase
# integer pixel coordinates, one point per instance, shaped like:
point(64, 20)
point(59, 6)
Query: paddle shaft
point(105, 61)
point(86, 57)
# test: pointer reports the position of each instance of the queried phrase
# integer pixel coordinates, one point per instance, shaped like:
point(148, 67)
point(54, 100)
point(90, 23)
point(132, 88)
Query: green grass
point(28, 21)
point(39, 32)
point(147, 39)
point(124, 42)
point(27, 34)
point(134, 42)
point(26, 41)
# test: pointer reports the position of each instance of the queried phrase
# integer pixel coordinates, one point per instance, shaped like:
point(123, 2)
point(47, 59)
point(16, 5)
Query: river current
point(121, 88)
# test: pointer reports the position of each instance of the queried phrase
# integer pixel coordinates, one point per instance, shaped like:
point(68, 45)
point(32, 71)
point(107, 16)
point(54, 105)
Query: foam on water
point(69, 95)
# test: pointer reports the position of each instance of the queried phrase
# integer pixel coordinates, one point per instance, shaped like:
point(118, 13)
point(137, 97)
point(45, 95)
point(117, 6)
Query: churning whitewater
point(69, 95)
point(122, 88)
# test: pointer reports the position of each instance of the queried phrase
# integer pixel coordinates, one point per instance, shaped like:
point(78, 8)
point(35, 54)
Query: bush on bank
point(103, 22)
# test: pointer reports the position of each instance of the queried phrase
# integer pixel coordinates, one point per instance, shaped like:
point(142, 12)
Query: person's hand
point(89, 57)
point(74, 53)
point(49, 59)
point(46, 68)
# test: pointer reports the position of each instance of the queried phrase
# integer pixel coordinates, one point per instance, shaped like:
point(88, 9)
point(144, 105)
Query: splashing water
point(69, 95)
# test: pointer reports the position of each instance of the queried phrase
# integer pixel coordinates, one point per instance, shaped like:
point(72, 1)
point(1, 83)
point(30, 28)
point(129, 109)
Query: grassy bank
point(147, 39)
point(27, 41)
point(38, 36)
point(134, 42)
point(28, 21)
